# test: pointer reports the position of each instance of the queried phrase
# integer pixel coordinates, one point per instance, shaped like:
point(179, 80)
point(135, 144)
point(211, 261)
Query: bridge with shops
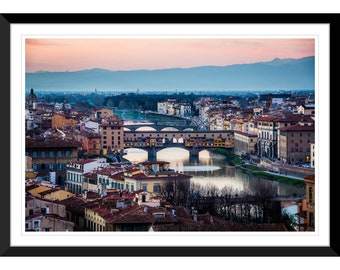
point(193, 141)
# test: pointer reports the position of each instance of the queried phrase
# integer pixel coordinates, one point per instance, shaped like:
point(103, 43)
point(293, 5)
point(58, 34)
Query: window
point(310, 195)
point(311, 220)
point(159, 215)
point(59, 154)
point(51, 154)
point(42, 154)
point(27, 154)
point(156, 188)
point(27, 226)
point(36, 224)
point(67, 153)
point(144, 187)
point(35, 154)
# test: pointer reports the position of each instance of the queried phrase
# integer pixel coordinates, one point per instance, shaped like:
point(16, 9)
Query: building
point(51, 155)
point(75, 211)
point(90, 141)
point(112, 134)
point(312, 155)
point(158, 179)
point(306, 208)
point(306, 109)
point(310, 202)
point(125, 214)
point(31, 98)
point(295, 144)
point(174, 107)
point(75, 170)
point(60, 121)
point(34, 205)
point(103, 113)
point(267, 128)
point(47, 223)
point(244, 143)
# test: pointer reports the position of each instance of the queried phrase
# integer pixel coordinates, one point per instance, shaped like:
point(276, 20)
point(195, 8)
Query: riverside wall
point(286, 169)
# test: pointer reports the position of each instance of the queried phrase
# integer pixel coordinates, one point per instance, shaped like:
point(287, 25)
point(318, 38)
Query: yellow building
point(60, 121)
point(47, 223)
point(34, 205)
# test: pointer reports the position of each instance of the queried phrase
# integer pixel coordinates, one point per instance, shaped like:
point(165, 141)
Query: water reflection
point(211, 170)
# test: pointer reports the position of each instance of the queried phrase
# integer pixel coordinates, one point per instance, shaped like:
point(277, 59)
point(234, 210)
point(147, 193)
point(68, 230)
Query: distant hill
point(278, 74)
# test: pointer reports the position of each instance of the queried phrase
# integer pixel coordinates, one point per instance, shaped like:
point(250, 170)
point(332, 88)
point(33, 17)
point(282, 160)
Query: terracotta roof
point(50, 143)
point(245, 134)
point(90, 134)
point(298, 128)
point(108, 171)
point(91, 175)
point(138, 214)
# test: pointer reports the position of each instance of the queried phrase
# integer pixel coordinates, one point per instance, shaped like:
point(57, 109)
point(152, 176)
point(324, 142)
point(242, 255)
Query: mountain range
point(278, 74)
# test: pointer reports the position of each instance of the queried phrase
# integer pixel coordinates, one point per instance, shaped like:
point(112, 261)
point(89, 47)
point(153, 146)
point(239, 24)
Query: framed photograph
point(231, 81)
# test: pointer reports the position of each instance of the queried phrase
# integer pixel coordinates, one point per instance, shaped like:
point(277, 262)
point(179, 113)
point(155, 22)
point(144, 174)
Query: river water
point(209, 169)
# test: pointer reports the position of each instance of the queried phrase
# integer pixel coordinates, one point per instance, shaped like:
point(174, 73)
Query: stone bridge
point(158, 127)
point(193, 141)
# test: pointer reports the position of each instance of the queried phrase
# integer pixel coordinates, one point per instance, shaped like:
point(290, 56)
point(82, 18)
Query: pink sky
point(132, 54)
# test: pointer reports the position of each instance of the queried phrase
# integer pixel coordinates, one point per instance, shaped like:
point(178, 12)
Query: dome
point(31, 97)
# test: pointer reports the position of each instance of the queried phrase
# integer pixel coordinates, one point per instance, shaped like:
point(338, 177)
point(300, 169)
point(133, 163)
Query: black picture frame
point(5, 243)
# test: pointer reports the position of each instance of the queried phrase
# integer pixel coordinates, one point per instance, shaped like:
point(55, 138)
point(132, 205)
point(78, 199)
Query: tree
point(288, 220)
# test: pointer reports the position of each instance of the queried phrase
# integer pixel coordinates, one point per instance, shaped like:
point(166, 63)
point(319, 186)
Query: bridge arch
point(146, 128)
point(139, 154)
point(170, 129)
point(178, 148)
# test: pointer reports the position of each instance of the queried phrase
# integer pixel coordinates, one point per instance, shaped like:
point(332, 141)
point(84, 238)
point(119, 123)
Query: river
point(209, 169)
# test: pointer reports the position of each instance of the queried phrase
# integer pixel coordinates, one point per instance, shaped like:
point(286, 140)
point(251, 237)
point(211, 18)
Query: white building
point(75, 170)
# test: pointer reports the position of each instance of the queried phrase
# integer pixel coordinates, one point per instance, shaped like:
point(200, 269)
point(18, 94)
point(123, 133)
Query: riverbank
point(256, 170)
point(263, 173)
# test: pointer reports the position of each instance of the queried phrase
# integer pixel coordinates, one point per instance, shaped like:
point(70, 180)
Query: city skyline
point(72, 54)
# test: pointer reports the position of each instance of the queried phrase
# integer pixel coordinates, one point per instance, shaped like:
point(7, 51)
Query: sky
point(72, 54)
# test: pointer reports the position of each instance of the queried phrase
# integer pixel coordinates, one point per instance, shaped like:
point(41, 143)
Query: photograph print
point(172, 134)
